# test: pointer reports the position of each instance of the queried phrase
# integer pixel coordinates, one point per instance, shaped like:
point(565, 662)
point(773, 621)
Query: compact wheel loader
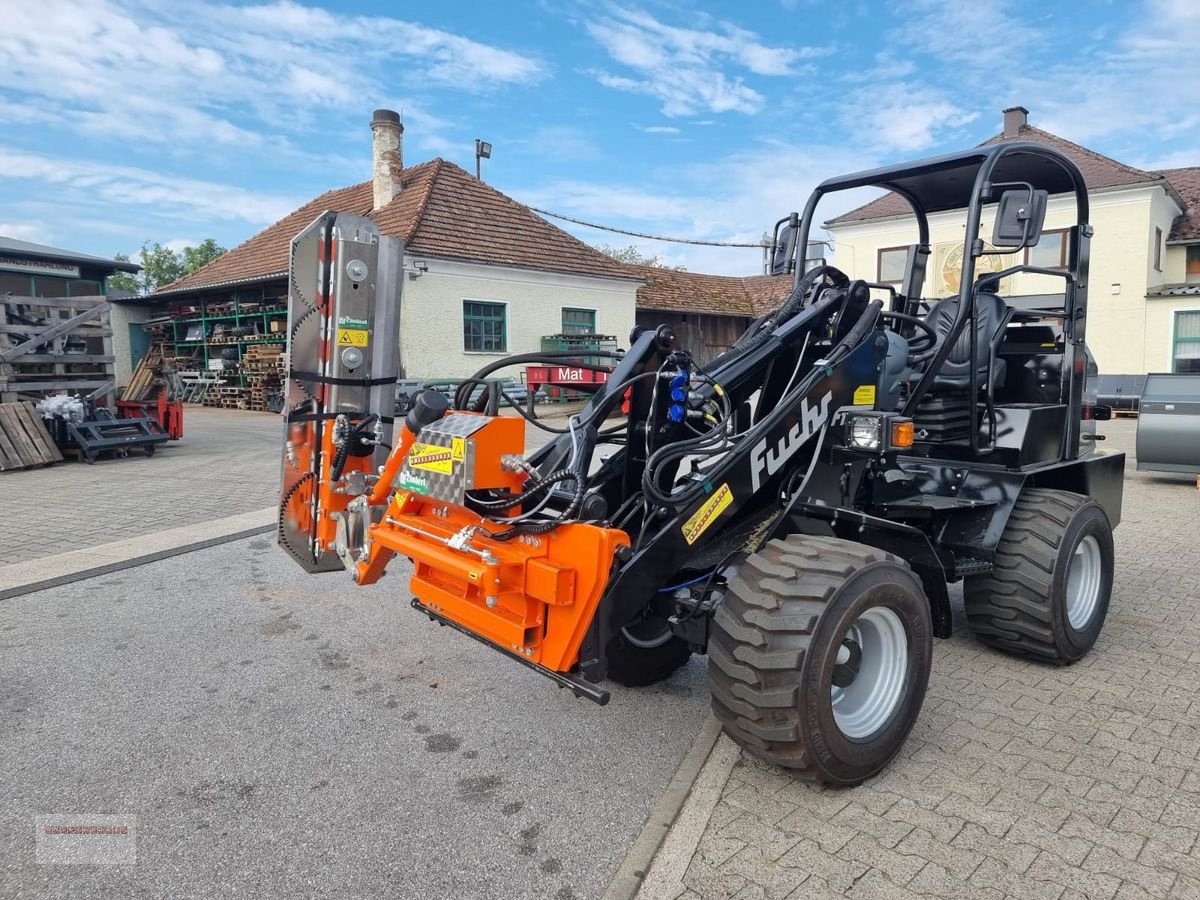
point(795, 508)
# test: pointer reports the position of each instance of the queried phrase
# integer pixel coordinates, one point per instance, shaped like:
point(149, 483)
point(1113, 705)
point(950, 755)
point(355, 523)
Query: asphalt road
point(279, 734)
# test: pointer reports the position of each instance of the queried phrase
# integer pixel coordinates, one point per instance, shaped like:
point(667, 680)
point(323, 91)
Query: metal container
point(1168, 435)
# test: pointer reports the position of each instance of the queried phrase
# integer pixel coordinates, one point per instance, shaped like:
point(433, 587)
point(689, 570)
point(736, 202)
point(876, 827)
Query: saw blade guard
point(342, 365)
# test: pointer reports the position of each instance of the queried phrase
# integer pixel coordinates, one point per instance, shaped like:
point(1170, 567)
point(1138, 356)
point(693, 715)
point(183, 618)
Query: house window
point(1050, 251)
point(484, 328)
point(1158, 247)
point(892, 263)
point(1192, 275)
point(1186, 356)
point(85, 288)
point(578, 321)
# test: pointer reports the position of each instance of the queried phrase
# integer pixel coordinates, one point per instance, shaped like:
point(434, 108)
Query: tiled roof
point(691, 292)
point(1187, 183)
point(1099, 171)
point(441, 210)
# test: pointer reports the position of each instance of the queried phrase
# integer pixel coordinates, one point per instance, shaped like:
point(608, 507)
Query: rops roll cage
point(970, 179)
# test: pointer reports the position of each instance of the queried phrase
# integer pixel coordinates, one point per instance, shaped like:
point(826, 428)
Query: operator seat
point(992, 315)
point(946, 413)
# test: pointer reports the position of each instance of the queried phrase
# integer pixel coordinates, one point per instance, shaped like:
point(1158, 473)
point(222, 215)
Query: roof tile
point(1187, 183)
point(441, 210)
point(691, 292)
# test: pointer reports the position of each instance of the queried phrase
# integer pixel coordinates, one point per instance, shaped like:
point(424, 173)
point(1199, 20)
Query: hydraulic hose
point(343, 450)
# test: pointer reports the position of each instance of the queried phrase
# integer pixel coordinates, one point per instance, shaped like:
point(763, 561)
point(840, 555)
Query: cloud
point(982, 39)
point(1134, 87)
point(193, 73)
point(25, 231)
point(902, 117)
point(733, 198)
point(684, 68)
point(130, 188)
point(657, 129)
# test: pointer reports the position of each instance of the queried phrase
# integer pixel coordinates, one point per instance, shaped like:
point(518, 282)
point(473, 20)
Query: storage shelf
point(217, 318)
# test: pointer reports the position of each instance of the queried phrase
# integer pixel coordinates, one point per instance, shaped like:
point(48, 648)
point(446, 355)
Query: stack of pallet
point(147, 377)
point(263, 366)
point(54, 344)
point(24, 440)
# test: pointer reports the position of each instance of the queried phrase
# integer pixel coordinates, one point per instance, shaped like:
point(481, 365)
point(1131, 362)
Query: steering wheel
point(921, 347)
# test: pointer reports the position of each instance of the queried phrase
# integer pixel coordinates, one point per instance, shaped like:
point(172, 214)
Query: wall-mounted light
point(483, 150)
point(419, 268)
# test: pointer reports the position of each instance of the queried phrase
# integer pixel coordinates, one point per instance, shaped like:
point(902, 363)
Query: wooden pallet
point(146, 376)
point(54, 344)
point(24, 440)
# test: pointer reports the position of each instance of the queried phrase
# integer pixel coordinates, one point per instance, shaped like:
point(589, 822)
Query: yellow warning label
point(864, 395)
point(353, 337)
point(707, 514)
point(458, 449)
point(431, 458)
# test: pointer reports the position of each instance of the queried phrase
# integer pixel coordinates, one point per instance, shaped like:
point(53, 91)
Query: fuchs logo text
point(765, 461)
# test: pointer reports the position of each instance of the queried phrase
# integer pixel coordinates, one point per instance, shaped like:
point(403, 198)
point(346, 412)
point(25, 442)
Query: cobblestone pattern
point(1019, 780)
point(227, 463)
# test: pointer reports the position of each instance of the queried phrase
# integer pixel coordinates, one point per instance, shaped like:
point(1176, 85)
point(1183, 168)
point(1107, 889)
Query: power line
point(652, 237)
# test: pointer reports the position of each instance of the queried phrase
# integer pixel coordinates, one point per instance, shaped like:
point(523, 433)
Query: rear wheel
point(646, 652)
point(819, 657)
point(1047, 596)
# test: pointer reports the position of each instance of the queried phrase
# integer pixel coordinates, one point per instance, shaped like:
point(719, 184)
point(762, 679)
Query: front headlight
point(865, 432)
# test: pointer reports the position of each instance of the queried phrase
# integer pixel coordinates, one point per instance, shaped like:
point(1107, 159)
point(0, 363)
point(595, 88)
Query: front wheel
point(819, 657)
point(1047, 596)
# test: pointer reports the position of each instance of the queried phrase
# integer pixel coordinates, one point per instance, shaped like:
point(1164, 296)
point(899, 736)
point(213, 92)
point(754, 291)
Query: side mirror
point(783, 245)
point(1019, 218)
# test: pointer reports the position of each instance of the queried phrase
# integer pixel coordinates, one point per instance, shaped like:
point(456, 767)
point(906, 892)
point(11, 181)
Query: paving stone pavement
point(226, 463)
point(1019, 780)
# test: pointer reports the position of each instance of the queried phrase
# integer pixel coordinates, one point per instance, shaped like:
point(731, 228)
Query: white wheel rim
point(866, 704)
point(1083, 583)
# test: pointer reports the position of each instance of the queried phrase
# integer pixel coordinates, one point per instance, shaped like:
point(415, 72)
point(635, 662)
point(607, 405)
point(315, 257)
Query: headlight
point(865, 432)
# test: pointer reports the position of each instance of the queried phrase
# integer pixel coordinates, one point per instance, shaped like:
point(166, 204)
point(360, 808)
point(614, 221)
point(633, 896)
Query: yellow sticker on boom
point(353, 337)
point(431, 458)
point(864, 395)
point(707, 514)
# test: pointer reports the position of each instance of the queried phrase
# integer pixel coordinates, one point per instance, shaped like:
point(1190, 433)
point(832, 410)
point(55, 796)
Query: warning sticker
point(353, 337)
point(864, 395)
point(431, 458)
point(707, 514)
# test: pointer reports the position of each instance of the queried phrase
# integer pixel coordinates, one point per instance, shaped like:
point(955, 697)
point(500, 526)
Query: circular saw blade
point(296, 517)
point(304, 349)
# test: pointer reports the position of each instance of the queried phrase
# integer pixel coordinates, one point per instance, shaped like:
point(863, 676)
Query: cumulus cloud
point(197, 71)
point(685, 68)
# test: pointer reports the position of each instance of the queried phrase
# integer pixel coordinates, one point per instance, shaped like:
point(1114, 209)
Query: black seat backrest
point(992, 314)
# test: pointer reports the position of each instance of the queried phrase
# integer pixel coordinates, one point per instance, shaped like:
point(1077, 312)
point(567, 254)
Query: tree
point(162, 265)
point(635, 257)
point(202, 254)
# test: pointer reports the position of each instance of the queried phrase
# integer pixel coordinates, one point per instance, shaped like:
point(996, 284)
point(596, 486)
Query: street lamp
point(483, 150)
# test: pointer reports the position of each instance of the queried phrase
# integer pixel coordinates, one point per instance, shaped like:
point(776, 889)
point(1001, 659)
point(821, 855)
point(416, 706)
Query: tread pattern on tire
point(1009, 608)
point(761, 632)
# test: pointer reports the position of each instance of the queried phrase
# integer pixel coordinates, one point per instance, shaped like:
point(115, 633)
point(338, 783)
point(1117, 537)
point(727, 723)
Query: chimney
point(387, 161)
point(1015, 118)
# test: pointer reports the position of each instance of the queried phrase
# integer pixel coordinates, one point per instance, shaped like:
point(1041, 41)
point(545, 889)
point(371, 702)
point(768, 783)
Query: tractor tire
point(1047, 596)
point(634, 666)
point(819, 657)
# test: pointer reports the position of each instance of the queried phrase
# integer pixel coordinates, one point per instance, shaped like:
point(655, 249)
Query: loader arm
point(547, 555)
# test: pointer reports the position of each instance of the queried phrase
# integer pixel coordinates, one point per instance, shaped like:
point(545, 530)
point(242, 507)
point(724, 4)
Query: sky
point(123, 121)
